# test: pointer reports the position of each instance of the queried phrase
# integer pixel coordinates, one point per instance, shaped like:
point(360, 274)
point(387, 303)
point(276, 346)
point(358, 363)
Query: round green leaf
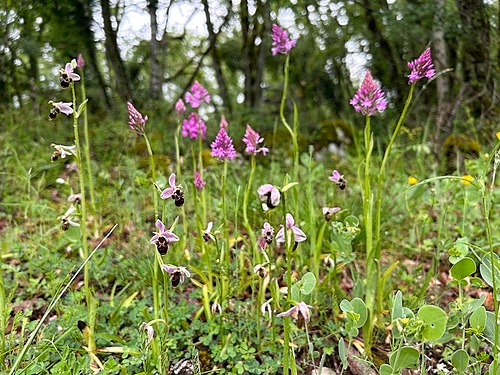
point(308, 283)
point(460, 360)
point(486, 270)
point(435, 322)
point(406, 357)
point(385, 369)
point(463, 268)
point(346, 306)
point(74, 233)
point(477, 319)
point(359, 307)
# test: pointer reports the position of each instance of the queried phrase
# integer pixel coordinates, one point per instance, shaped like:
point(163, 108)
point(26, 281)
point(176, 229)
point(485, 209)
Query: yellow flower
point(467, 179)
point(498, 135)
point(412, 180)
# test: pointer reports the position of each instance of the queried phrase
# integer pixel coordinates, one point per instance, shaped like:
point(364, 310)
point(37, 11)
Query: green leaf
point(435, 322)
point(460, 360)
point(288, 186)
point(385, 369)
point(295, 292)
point(359, 308)
point(81, 108)
point(477, 320)
point(351, 221)
point(74, 233)
point(463, 268)
point(342, 352)
point(308, 283)
point(346, 306)
point(459, 250)
point(397, 307)
point(489, 328)
point(486, 270)
point(406, 357)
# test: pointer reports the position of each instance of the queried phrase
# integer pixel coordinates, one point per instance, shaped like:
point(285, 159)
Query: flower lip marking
point(163, 238)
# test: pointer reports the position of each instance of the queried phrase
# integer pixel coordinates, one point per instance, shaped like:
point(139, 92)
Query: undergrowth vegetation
point(187, 247)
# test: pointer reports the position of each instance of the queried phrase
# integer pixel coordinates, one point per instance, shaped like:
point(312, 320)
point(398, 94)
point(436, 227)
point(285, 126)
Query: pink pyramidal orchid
point(193, 126)
point(199, 183)
point(223, 147)
point(197, 95)
point(369, 98)
point(421, 67)
point(281, 42)
point(252, 140)
point(298, 235)
point(136, 121)
point(180, 107)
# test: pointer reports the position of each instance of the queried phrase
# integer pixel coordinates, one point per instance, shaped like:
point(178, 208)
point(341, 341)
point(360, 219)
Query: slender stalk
point(285, 123)
point(286, 320)
point(153, 175)
point(86, 150)
point(251, 234)
point(83, 203)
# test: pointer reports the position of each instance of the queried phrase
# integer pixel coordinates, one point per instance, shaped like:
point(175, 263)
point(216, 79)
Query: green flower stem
point(371, 265)
point(153, 175)
point(177, 150)
point(83, 207)
point(286, 320)
point(293, 134)
point(86, 150)
point(246, 223)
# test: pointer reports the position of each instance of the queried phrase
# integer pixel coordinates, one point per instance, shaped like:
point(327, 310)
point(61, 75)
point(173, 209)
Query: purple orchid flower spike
point(421, 67)
point(163, 238)
point(252, 140)
point(197, 95)
point(298, 235)
point(199, 183)
point(223, 147)
point(193, 126)
point(369, 98)
point(269, 195)
point(281, 42)
point(180, 107)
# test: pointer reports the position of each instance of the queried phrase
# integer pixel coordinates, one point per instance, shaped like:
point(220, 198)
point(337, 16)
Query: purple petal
point(171, 181)
point(298, 235)
point(167, 193)
point(289, 220)
point(160, 226)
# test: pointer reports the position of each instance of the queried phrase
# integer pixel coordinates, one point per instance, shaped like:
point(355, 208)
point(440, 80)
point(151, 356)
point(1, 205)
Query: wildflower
point(328, 212)
point(223, 147)
point(62, 151)
point(338, 179)
point(150, 332)
point(281, 42)
point(68, 75)
point(163, 238)
point(270, 195)
point(173, 192)
point(268, 233)
point(260, 270)
point(412, 180)
point(80, 62)
point(66, 220)
point(177, 273)
point(216, 308)
point(298, 235)
point(223, 123)
point(328, 261)
point(192, 126)
point(467, 179)
point(198, 181)
point(180, 107)
point(266, 307)
point(252, 139)
point(207, 233)
point(61, 181)
point(60, 107)
point(421, 67)
point(300, 312)
point(75, 198)
point(197, 95)
point(369, 98)
point(498, 135)
point(136, 121)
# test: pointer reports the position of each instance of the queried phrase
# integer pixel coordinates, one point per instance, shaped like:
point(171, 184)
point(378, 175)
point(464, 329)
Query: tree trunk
point(216, 61)
point(84, 11)
point(155, 85)
point(113, 54)
point(443, 83)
